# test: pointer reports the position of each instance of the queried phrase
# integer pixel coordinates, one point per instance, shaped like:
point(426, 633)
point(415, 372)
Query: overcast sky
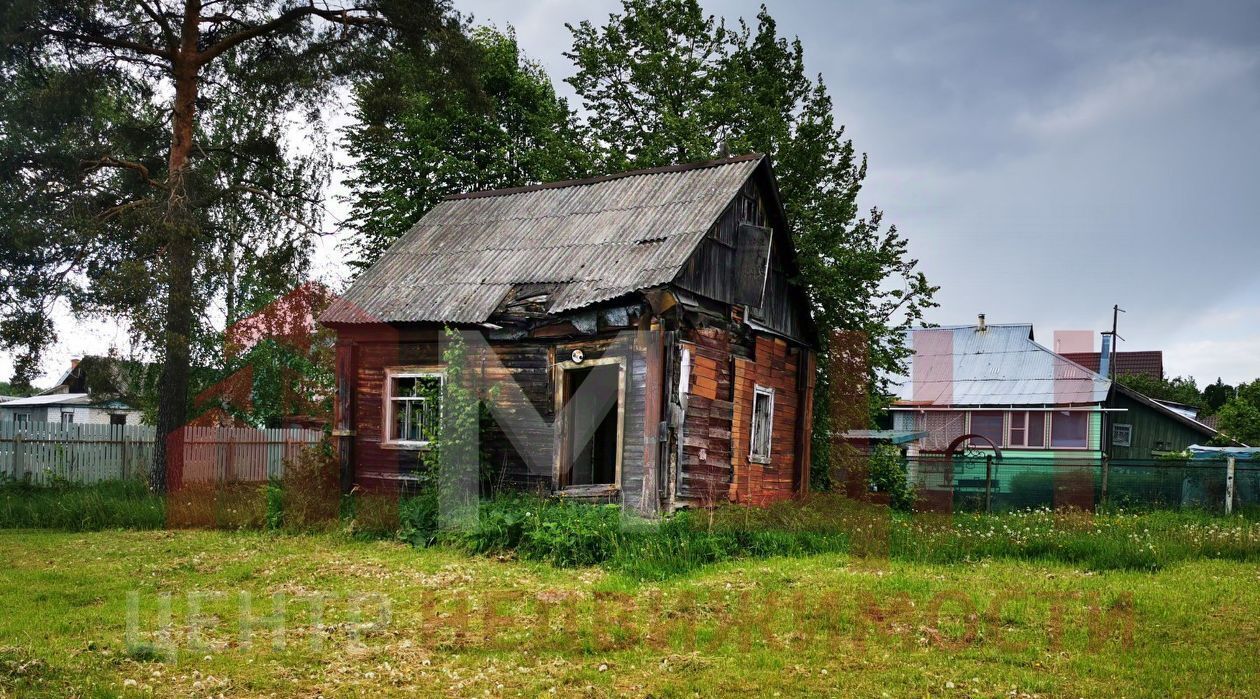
point(1046, 160)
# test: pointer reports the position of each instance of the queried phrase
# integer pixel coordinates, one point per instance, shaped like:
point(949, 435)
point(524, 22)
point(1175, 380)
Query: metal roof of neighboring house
point(1145, 363)
point(589, 240)
point(998, 366)
point(49, 400)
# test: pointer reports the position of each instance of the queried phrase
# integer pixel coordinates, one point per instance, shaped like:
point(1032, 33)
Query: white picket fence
point(44, 452)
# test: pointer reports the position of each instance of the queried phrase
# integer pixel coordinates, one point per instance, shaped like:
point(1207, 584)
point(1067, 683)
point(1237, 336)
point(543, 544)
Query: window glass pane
point(1069, 429)
point(1036, 429)
point(415, 407)
point(987, 424)
point(1016, 426)
point(762, 426)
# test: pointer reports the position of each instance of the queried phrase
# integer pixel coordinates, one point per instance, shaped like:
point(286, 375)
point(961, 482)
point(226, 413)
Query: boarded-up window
point(752, 260)
point(762, 424)
point(414, 406)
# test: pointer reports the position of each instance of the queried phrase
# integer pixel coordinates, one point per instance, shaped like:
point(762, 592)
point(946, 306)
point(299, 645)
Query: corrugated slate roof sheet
point(1000, 366)
point(594, 239)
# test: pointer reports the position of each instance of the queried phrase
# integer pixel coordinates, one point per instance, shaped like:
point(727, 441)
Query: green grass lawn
point(370, 618)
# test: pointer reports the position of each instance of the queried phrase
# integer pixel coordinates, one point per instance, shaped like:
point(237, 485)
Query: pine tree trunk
point(172, 409)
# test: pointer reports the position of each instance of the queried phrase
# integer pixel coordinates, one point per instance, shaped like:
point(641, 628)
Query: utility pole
point(1116, 310)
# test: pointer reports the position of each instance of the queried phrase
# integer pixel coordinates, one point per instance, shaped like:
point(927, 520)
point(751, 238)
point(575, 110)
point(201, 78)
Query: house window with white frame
point(67, 417)
point(1026, 430)
point(762, 424)
point(1122, 435)
point(21, 418)
point(413, 406)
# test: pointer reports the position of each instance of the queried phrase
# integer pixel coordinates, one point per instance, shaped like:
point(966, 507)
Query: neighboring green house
point(1148, 428)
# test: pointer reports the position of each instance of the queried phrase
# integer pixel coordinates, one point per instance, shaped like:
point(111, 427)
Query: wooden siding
point(718, 422)
point(774, 365)
point(705, 471)
point(1152, 431)
point(711, 270)
point(522, 364)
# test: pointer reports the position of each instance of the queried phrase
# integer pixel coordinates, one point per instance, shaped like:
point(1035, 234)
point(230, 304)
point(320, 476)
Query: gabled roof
point(999, 366)
point(588, 241)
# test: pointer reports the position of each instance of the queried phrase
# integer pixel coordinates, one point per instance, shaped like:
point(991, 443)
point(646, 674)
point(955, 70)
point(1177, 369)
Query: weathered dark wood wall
point(519, 378)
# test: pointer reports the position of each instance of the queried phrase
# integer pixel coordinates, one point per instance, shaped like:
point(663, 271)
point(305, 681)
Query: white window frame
point(753, 455)
point(22, 419)
point(64, 413)
point(1128, 435)
point(1031, 417)
point(387, 417)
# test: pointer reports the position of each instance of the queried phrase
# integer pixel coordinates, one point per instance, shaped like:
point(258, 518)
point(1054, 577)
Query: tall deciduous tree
point(666, 83)
point(413, 146)
point(105, 142)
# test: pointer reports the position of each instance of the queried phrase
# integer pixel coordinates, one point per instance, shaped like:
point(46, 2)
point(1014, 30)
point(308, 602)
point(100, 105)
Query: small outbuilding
point(638, 337)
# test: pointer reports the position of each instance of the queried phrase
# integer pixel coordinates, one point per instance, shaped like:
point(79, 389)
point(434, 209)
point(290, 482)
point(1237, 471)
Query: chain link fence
point(986, 484)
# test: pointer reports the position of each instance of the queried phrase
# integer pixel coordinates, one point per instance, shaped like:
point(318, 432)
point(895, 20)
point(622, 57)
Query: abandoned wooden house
point(650, 320)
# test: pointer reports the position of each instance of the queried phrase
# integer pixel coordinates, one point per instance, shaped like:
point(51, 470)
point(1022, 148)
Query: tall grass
point(565, 533)
point(107, 505)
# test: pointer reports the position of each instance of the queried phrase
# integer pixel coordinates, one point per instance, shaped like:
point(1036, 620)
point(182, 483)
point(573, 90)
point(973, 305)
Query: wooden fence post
point(1229, 485)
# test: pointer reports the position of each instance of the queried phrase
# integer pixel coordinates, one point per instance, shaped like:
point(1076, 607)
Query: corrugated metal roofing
point(594, 239)
point(49, 399)
point(1000, 366)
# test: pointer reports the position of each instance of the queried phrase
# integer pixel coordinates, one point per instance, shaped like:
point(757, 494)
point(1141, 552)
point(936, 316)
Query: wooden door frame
point(560, 431)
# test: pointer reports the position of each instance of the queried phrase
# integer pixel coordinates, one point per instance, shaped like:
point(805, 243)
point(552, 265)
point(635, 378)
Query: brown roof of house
point(593, 240)
point(1149, 364)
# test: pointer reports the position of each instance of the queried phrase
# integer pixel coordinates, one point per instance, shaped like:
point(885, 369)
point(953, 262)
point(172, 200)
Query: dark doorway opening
point(591, 397)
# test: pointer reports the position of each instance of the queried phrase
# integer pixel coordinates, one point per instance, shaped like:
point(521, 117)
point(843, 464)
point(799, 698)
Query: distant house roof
point(586, 241)
point(1150, 364)
point(49, 400)
point(999, 366)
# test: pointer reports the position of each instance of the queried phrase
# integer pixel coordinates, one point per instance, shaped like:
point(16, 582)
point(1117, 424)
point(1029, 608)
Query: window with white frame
point(413, 406)
point(67, 417)
point(21, 418)
point(1122, 435)
point(762, 424)
point(1026, 429)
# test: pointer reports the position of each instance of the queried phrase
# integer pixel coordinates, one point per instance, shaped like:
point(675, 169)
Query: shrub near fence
point(44, 453)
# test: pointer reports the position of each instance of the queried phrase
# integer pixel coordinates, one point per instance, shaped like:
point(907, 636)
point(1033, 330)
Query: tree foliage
point(1178, 389)
point(1239, 419)
point(412, 145)
point(143, 154)
point(665, 83)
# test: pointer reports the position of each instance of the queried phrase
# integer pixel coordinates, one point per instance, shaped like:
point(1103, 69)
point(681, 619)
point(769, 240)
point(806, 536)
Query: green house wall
point(1153, 431)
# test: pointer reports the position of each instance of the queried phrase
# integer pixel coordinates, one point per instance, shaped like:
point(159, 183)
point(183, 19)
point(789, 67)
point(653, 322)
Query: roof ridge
point(678, 167)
